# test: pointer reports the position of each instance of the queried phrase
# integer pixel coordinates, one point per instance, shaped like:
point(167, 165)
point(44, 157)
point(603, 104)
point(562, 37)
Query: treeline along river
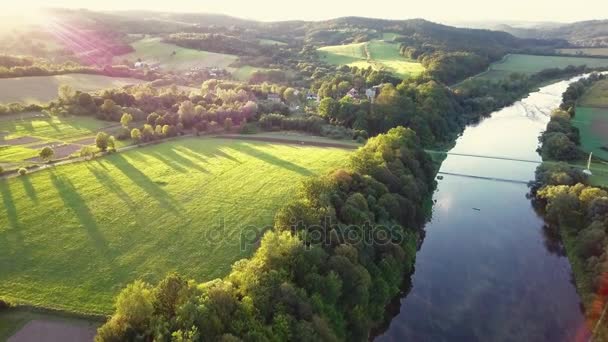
point(487, 270)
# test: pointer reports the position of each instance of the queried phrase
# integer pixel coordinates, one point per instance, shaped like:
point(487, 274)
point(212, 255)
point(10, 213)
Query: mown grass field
point(530, 64)
point(597, 96)
point(56, 130)
point(593, 126)
point(378, 54)
point(43, 89)
point(592, 120)
point(73, 236)
point(153, 51)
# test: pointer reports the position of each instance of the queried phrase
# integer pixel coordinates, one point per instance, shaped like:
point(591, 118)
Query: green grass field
point(153, 50)
point(390, 36)
point(593, 126)
point(47, 129)
point(43, 89)
point(244, 73)
point(597, 96)
point(271, 42)
point(529, 64)
point(73, 236)
point(378, 54)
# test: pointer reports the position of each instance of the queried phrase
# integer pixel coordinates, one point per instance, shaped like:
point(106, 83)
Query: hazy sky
point(438, 10)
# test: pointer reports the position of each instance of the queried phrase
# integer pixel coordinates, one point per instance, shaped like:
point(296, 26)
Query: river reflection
point(487, 269)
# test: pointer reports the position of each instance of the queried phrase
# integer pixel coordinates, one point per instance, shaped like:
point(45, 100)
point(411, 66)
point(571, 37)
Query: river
point(487, 270)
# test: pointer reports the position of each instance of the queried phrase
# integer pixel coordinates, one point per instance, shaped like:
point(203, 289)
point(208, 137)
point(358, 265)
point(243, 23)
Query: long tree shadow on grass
point(109, 182)
point(9, 205)
point(29, 188)
point(178, 157)
point(73, 200)
point(144, 182)
point(271, 159)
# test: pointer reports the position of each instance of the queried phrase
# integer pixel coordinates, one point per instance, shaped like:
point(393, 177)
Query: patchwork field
point(43, 89)
point(529, 64)
point(378, 54)
point(73, 236)
point(23, 136)
point(154, 51)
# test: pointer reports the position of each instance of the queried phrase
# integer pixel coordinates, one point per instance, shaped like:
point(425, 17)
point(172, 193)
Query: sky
point(271, 10)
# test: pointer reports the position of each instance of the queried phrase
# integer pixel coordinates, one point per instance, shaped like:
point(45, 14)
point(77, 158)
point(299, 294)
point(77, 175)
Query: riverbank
point(503, 269)
point(574, 207)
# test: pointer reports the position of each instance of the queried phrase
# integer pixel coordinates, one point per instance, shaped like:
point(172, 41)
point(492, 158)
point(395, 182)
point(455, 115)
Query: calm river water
point(491, 274)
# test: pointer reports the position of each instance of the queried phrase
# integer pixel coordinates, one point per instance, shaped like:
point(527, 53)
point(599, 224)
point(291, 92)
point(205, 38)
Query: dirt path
point(55, 331)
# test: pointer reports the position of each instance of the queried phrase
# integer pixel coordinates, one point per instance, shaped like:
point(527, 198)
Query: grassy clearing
point(585, 51)
point(244, 73)
point(271, 42)
point(380, 55)
point(593, 126)
point(597, 96)
point(529, 64)
point(43, 89)
point(153, 50)
point(390, 36)
point(73, 236)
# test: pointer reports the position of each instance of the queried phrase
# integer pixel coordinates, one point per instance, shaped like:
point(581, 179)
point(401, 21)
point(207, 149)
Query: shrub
point(47, 153)
point(136, 134)
point(249, 128)
point(102, 140)
point(5, 304)
point(87, 152)
point(22, 171)
point(228, 124)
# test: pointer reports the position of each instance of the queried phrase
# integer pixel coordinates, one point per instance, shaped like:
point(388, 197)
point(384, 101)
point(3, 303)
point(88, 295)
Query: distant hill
point(592, 33)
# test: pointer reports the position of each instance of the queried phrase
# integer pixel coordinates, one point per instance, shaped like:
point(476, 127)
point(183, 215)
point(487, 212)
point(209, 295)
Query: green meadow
point(378, 54)
point(73, 236)
point(593, 126)
point(530, 64)
point(153, 50)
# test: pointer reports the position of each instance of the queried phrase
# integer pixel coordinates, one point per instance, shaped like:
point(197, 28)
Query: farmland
point(74, 235)
point(380, 55)
point(22, 136)
point(592, 119)
point(42, 89)
point(172, 57)
point(585, 51)
point(529, 64)
point(593, 126)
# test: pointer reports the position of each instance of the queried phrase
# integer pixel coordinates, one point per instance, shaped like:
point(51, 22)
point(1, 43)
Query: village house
point(310, 96)
point(354, 93)
point(372, 92)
